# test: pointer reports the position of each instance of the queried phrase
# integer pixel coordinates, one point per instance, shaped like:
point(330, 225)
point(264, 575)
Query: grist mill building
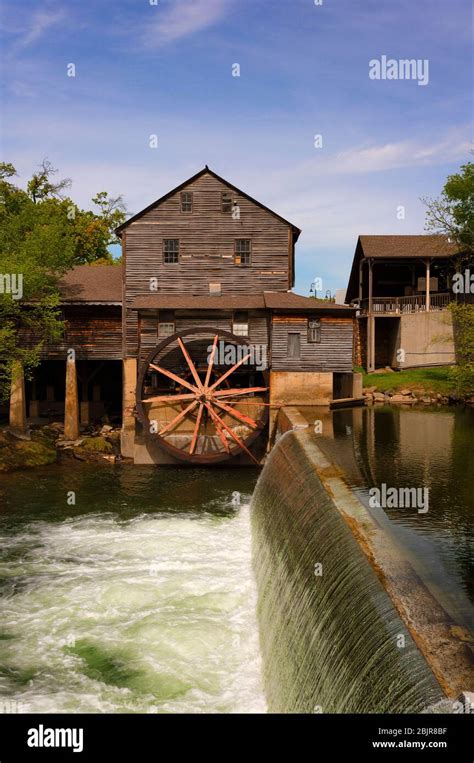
point(197, 340)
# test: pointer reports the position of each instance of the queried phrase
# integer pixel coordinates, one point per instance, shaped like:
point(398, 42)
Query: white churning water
point(154, 614)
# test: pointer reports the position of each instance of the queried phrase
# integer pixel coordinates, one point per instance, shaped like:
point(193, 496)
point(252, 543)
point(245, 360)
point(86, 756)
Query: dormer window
point(242, 251)
point(227, 202)
point(186, 201)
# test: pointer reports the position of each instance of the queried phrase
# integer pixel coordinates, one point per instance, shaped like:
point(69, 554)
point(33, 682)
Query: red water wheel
point(200, 397)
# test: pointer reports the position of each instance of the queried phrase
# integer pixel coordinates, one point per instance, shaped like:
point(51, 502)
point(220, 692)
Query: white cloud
point(402, 154)
point(40, 22)
point(183, 18)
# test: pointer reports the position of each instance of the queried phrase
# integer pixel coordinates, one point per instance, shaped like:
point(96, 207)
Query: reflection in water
point(138, 599)
point(418, 448)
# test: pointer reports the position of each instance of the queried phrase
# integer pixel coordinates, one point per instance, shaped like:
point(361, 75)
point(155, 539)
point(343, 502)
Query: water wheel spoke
point(237, 415)
point(218, 427)
point(229, 372)
point(202, 393)
point(169, 398)
point(190, 363)
point(178, 418)
point(175, 378)
point(211, 361)
point(238, 391)
point(237, 439)
point(196, 429)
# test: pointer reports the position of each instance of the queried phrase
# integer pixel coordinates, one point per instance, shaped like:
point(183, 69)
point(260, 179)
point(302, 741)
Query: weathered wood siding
point(332, 353)
point(206, 238)
point(93, 331)
point(148, 327)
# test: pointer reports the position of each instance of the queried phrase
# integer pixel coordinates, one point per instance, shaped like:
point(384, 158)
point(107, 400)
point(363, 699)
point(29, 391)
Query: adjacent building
point(401, 287)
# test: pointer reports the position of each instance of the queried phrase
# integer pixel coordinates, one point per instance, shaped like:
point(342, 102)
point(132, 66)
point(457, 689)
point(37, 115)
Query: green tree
point(452, 214)
point(463, 373)
point(43, 234)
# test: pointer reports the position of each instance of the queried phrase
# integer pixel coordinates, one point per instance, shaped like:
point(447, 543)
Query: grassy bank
point(422, 380)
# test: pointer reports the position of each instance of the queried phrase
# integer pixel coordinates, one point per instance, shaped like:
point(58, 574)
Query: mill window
point(227, 203)
point(165, 323)
point(170, 251)
point(314, 330)
point(242, 251)
point(240, 324)
point(186, 201)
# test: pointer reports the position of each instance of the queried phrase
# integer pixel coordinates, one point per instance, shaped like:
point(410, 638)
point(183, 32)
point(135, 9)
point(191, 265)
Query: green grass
point(418, 379)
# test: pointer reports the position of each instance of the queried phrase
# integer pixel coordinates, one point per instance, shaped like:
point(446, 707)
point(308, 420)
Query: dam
point(164, 590)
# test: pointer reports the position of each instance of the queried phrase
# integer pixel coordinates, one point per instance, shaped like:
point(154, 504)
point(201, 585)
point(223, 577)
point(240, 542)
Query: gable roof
point(407, 246)
point(396, 248)
point(206, 170)
point(92, 283)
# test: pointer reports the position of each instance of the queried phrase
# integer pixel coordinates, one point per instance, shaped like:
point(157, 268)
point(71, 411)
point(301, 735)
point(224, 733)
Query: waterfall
point(331, 639)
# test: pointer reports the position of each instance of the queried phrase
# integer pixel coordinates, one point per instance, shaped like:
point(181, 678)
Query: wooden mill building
point(197, 340)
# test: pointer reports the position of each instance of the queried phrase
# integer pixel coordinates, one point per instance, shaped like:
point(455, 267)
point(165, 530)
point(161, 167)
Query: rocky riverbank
point(372, 396)
point(47, 445)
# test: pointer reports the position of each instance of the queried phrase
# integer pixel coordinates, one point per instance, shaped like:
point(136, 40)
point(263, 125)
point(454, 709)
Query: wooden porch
point(417, 303)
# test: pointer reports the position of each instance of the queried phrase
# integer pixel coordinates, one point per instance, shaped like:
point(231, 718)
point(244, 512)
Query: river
point(131, 589)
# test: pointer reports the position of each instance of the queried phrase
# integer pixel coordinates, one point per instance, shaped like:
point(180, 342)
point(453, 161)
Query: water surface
point(138, 598)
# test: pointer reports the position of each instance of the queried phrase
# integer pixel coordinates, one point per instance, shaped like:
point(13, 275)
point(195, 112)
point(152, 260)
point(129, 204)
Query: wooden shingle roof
point(92, 283)
point(406, 246)
point(396, 248)
point(270, 300)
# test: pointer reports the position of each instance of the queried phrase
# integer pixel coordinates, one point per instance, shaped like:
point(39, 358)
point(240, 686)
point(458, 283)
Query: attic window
point(227, 203)
point(186, 201)
point(314, 330)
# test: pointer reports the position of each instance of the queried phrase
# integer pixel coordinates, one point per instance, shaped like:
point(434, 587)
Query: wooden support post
point(370, 286)
point(427, 285)
point(370, 325)
point(71, 403)
point(370, 344)
point(361, 280)
point(128, 404)
point(17, 419)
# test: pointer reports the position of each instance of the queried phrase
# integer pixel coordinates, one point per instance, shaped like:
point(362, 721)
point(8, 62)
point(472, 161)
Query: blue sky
point(166, 69)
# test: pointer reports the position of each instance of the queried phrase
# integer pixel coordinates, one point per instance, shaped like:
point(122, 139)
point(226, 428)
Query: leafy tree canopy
point(43, 233)
point(452, 214)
